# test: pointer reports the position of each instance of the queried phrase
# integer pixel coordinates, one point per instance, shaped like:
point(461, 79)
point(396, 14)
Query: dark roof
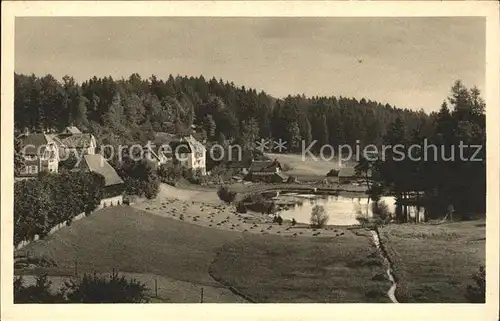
point(36, 141)
point(189, 143)
point(75, 140)
point(264, 166)
point(96, 163)
point(347, 172)
point(72, 130)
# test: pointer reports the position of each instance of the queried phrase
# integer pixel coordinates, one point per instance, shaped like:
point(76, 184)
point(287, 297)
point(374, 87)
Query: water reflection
point(344, 210)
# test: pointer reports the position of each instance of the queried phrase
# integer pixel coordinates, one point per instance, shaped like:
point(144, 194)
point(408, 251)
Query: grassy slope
point(308, 167)
point(282, 270)
point(434, 262)
point(270, 269)
point(130, 240)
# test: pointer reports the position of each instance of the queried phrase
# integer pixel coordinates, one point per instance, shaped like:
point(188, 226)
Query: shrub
point(255, 198)
point(333, 173)
point(38, 293)
point(88, 289)
point(381, 210)
point(278, 219)
point(48, 200)
point(476, 293)
point(100, 289)
point(170, 172)
point(226, 195)
point(318, 216)
point(291, 179)
point(241, 208)
point(195, 177)
point(68, 163)
point(140, 178)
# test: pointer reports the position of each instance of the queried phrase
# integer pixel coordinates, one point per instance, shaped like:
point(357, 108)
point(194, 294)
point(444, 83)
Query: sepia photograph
point(257, 159)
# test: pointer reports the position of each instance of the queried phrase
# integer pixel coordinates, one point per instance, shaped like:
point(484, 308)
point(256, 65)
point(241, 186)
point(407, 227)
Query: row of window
point(31, 169)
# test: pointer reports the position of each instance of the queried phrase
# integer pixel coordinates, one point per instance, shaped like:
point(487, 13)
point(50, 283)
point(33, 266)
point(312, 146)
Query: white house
point(41, 154)
point(190, 153)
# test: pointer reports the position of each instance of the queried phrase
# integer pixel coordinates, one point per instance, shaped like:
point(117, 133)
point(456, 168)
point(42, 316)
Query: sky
point(407, 62)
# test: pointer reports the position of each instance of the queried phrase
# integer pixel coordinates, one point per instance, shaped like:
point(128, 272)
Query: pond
point(341, 210)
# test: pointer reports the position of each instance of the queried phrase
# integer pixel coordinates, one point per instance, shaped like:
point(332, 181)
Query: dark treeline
point(131, 110)
point(451, 170)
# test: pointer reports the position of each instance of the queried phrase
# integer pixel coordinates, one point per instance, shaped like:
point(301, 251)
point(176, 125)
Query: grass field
point(307, 168)
point(282, 270)
point(434, 263)
point(132, 241)
point(180, 255)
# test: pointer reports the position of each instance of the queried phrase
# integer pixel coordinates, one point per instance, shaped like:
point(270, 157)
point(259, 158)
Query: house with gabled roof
point(266, 171)
point(72, 140)
point(40, 153)
point(71, 130)
point(113, 184)
point(190, 153)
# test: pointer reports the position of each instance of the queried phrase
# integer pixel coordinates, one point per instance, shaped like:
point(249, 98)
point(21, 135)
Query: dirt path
point(392, 290)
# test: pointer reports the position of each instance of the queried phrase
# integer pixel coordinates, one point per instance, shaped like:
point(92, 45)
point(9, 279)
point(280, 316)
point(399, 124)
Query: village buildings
point(190, 153)
point(41, 154)
point(269, 171)
point(73, 141)
point(113, 183)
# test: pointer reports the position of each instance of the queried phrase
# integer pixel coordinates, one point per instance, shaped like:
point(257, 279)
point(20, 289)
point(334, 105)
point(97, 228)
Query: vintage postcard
point(161, 158)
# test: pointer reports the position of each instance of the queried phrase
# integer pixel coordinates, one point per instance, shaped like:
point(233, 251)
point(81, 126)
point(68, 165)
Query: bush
point(226, 195)
point(333, 173)
point(291, 179)
point(241, 208)
point(195, 177)
point(112, 289)
point(48, 200)
point(381, 210)
point(278, 219)
point(38, 293)
point(476, 293)
point(319, 218)
point(170, 172)
point(140, 178)
point(88, 289)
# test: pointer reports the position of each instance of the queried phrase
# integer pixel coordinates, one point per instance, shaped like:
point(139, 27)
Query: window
point(33, 169)
point(29, 157)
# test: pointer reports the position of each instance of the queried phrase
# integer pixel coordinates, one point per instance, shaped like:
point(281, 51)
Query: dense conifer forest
point(133, 110)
